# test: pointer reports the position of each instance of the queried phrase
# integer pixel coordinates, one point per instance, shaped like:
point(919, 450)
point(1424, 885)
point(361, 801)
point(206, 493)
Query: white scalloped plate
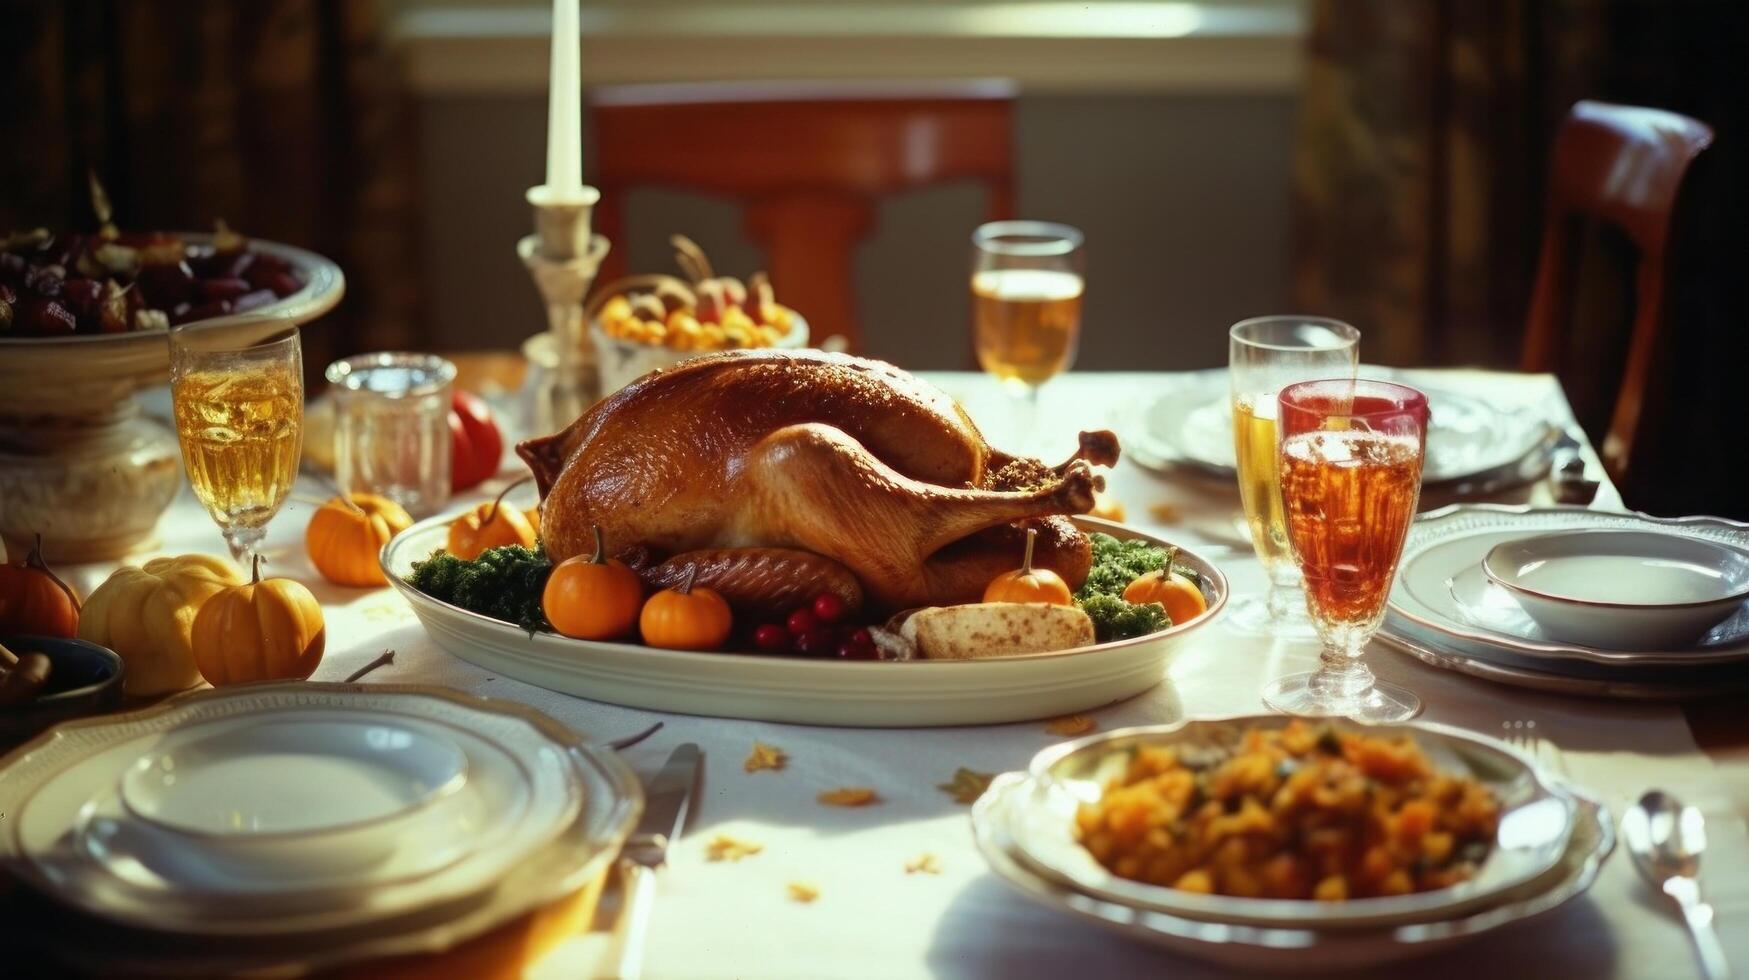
point(1536, 821)
point(800, 690)
point(583, 803)
point(1295, 950)
point(1442, 544)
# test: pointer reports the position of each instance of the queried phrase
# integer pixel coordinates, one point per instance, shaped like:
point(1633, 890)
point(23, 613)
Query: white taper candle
point(564, 106)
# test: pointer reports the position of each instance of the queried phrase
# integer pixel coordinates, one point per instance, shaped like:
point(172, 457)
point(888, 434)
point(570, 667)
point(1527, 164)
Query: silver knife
point(666, 803)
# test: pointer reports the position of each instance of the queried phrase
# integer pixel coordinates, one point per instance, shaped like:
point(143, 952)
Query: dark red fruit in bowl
point(165, 286)
point(45, 280)
point(221, 288)
point(43, 317)
point(772, 638)
point(802, 621)
point(80, 297)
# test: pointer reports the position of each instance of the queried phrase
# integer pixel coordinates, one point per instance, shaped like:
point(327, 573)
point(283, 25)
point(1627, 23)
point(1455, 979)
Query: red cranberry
point(772, 638)
point(851, 650)
point(862, 637)
point(816, 642)
point(828, 607)
point(802, 622)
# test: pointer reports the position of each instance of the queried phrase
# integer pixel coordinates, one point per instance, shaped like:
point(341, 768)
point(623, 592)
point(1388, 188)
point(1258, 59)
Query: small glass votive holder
point(391, 432)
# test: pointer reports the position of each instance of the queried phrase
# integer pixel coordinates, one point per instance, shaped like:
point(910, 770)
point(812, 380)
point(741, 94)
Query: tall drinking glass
point(1350, 455)
point(1266, 354)
point(391, 433)
point(1027, 282)
point(237, 392)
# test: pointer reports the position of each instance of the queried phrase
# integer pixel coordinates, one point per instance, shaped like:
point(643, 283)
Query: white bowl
point(1621, 590)
point(293, 796)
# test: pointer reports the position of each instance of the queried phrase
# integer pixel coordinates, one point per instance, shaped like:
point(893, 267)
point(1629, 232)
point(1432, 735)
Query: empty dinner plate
point(1192, 425)
point(1536, 820)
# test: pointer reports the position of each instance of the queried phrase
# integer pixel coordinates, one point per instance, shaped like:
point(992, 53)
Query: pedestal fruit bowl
point(79, 462)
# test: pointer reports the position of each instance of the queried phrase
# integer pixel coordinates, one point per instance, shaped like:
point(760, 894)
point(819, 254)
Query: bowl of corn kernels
point(641, 323)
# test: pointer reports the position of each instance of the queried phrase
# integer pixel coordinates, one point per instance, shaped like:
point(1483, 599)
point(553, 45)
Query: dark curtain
point(1419, 176)
point(281, 117)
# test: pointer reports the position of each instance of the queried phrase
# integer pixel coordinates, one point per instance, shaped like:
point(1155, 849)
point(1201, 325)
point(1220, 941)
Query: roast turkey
point(777, 475)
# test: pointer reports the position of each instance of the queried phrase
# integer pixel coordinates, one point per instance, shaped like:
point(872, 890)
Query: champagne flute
point(1350, 457)
point(237, 391)
point(1265, 355)
point(1027, 282)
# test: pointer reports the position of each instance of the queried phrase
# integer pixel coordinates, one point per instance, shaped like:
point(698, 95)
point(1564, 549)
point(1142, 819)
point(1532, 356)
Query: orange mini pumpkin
point(686, 618)
point(258, 631)
point(593, 597)
point(1029, 584)
point(346, 534)
point(1178, 594)
point(34, 600)
point(490, 525)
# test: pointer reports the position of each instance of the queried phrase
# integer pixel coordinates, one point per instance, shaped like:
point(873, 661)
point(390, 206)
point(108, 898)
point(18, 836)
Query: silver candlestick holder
point(563, 256)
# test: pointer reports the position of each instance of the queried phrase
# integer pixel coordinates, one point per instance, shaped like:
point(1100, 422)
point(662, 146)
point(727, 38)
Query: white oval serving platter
point(800, 690)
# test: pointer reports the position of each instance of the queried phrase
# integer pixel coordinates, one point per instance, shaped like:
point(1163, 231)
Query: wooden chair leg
point(810, 240)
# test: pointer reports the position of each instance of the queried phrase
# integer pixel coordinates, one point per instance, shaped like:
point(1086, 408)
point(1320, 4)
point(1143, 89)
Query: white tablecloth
point(873, 919)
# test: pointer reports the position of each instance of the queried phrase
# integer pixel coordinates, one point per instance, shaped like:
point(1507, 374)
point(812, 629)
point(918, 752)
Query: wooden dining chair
point(1622, 166)
point(807, 161)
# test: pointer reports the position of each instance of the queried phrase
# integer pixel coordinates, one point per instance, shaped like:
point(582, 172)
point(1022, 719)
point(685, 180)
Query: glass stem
point(1340, 674)
point(1285, 599)
point(243, 541)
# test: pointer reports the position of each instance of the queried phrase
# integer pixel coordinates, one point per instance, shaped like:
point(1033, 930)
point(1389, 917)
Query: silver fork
point(1523, 736)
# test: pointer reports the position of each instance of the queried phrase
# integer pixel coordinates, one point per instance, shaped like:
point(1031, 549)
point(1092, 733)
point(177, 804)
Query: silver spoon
point(1667, 840)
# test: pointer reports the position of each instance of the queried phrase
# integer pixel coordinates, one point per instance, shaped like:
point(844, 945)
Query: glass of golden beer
point(237, 391)
point(1266, 354)
point(1350, 455)
point(1027, 282)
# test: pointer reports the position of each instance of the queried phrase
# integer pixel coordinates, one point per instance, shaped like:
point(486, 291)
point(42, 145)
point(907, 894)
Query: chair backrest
point(1624, 166)
point(808, 162)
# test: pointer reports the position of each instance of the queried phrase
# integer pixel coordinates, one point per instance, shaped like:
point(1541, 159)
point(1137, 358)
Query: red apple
point(476, 445)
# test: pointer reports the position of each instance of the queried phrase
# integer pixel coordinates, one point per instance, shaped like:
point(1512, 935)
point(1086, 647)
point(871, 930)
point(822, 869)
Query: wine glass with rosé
point(1350, 456)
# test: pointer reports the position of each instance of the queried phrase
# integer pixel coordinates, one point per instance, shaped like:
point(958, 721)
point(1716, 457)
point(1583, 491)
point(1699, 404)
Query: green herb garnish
point(1115, 565)
point(503, 583)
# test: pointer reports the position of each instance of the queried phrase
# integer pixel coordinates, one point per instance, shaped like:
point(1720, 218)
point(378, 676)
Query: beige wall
point(1184, 199)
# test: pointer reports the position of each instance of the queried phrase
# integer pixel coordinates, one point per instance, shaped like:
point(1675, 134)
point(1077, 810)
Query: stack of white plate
point(1551, 843)
point(1472, 444)
point(1446, 611)
point(291, 827)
